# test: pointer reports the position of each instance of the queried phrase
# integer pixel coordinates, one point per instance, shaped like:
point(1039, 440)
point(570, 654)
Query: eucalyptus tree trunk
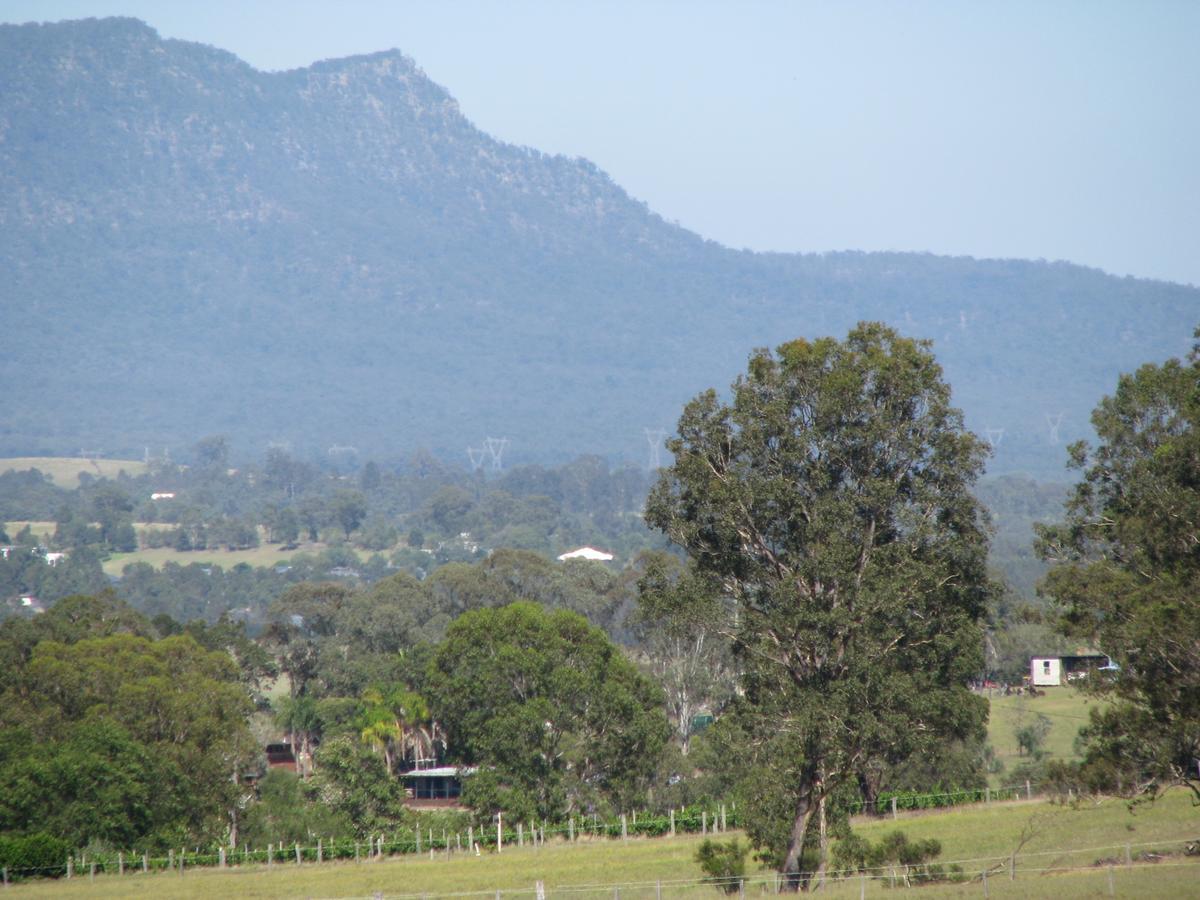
point(803, 815)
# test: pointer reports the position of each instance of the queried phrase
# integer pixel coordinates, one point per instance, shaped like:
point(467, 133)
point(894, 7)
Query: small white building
point(1045, 671)
point(1052, 671)
point(587, 553)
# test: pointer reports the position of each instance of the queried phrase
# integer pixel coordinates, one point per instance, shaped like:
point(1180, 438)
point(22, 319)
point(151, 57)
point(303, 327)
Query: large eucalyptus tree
point(831, 498)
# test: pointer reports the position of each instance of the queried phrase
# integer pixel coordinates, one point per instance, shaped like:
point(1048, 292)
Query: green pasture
point(1087, 838)
point(43, 531)
point(1065, 707)
point(65, 470)
point(264, 555)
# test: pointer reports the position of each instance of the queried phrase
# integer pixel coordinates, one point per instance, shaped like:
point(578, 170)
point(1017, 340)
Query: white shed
point(1045, 671)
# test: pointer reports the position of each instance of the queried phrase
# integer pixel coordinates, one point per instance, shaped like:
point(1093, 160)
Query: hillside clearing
point(65, 470)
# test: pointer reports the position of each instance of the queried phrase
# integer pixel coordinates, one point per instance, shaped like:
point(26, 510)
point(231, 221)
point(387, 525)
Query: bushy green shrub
point(37, 855)
point(724, 864)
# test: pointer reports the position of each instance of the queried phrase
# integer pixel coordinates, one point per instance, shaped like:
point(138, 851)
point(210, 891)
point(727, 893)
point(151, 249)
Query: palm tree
point(397, 721)
point(299, 717)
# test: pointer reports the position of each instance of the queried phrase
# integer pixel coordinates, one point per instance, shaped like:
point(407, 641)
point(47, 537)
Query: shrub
point(724, 864)
point(37, 855)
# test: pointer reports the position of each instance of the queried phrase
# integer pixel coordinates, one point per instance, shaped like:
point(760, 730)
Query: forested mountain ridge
point(335, 255)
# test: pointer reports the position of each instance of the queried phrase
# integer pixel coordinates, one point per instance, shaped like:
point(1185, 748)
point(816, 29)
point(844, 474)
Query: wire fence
point(711, 819)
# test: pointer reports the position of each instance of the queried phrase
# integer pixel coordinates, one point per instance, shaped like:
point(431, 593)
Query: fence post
point(723, 818)
point(145, 864)
point(893, 808)
point(320, 851)
point(356, 859)
point(171, 858)
point(539, 890)
point(1128, 856)
point(520, 835)
point(270, 855)
point(1112, 888)
point(571, 829)
point(470, 837)
point(6, 876)
point(987, 795)
point(297, 854)
point(658, 890)
point(92, 871)
point(1028, 790)
point(862, 887)
point(672, 821)
point(624, 828)
point(221, 857)
point(499, 832)
point(704, 822)
point(120, 863)
point(985, 887)
point(70, 867)
point(1012, 867)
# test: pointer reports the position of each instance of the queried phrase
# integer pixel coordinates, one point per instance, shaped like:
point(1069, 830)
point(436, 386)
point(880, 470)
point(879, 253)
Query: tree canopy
point(830, 498)
point(1127, 576)
point(554, 716)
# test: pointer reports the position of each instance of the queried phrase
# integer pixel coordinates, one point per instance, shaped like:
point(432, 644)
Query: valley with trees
point(283, 625)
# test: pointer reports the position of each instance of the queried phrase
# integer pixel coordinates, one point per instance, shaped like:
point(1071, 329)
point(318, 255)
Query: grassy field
point(264, 555)
point(1087, 838)
point(1066, 708)
point(41, 530)
point(65, 470)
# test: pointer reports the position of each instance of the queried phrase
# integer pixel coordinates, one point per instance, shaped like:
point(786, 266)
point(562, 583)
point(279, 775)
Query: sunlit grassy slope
point(1089, 836)
point(65, 470)
point(1065, 707)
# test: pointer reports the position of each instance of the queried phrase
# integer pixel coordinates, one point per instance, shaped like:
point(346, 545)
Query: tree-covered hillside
point(336, 256)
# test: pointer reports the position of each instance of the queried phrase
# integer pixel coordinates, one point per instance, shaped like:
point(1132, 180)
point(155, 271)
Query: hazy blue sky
point(1057, 130)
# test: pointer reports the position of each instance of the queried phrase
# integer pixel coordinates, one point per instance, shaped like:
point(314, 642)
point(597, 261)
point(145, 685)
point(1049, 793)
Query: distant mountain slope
point(335, 255)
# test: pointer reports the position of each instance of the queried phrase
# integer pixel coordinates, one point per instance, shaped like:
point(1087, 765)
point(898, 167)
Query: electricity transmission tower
point(495, 448)
point(655, 437)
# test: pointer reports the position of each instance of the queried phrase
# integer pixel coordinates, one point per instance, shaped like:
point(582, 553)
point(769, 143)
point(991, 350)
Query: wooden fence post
point(270, 855)
point(297, 854)
point(499, 832)
point(356, 859)
point(571, 829)
point(722, 818)
point(171, 858)
point(893, 808)
point(987, 795)
point(1128, 856)
point(221, 857)
point(985, 887)
point(704, 822)
point(672, 821)
point(470, 837)
point(520, 835)
point(1028, 790)
point(92, 871)
point(120, 863)
point(320, 851)
point(145, 864)
point(418, 831)
point(624, 828)
point(70, 867)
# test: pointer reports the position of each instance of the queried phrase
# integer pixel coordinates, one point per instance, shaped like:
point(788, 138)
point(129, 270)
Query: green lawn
point(65, 470)
point(1086, 837)
point(1065, 707)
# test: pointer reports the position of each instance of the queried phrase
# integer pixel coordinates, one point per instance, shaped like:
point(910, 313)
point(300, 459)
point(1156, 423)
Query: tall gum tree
point(1127, 576)
point(832, 500)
